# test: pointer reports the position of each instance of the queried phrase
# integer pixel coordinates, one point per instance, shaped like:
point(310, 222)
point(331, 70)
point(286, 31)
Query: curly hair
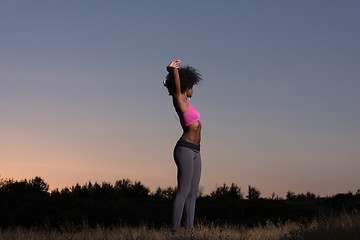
point(189, 77)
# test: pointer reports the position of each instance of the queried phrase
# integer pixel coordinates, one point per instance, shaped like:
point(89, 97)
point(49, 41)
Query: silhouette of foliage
point(253, 193)
point(167, 193)
point(300, 197)
point(290, 195)
point(23, 200)
point(310, 196)
point(128, 189)
point(227, 192)
point(275, 197)
point(29, 202)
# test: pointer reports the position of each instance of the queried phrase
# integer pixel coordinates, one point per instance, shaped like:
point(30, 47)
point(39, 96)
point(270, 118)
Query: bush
point(227, 192)
point(253, 193)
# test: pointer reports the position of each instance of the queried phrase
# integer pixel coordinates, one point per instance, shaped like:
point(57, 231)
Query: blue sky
point(81, 92)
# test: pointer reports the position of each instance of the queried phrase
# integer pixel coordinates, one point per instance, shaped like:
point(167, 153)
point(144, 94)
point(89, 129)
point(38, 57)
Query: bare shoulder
point(180, 104)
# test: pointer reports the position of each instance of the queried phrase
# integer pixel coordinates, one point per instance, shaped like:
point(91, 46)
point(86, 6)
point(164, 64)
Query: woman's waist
point(191, 136)
point(187, 144)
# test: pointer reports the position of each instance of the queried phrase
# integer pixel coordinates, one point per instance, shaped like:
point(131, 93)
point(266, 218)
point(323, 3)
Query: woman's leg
point(191, 199)
point(184, 158)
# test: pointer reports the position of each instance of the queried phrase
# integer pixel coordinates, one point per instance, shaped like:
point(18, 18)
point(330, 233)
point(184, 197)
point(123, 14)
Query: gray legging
point(188, 162)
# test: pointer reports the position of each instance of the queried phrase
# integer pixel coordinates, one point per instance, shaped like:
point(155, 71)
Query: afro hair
point(189, 77)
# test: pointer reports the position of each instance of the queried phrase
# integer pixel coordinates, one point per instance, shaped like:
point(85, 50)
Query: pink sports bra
point(190, 116)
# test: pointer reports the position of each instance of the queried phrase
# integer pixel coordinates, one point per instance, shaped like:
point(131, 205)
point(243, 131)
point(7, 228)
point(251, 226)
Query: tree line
point(29, 202)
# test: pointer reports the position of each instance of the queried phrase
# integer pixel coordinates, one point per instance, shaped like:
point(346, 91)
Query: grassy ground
point(344, 227)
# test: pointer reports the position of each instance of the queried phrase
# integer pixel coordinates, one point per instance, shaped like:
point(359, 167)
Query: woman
point(180, 82)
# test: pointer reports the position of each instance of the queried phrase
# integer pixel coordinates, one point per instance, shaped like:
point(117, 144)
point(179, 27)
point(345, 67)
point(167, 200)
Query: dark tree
point(253, 193)
point(310, 196)
point(290, 195)
point(227, 192)
point(167, 193)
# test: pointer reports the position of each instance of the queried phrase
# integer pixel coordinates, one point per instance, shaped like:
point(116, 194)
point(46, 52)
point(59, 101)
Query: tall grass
point(343, 227)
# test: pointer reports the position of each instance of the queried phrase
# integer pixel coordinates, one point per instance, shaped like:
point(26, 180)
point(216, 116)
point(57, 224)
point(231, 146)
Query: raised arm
point(173, 69)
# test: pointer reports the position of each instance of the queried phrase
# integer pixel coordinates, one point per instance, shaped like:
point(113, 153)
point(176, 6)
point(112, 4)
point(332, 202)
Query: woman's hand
point(173, 64)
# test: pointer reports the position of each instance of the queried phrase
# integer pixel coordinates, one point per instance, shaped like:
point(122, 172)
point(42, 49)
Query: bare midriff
point(192, 133)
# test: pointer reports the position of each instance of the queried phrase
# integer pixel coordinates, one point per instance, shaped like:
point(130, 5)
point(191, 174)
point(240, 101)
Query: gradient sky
point(81, 94)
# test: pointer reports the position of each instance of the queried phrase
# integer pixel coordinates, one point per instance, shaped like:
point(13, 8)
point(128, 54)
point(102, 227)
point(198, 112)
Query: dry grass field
point(342, 227)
